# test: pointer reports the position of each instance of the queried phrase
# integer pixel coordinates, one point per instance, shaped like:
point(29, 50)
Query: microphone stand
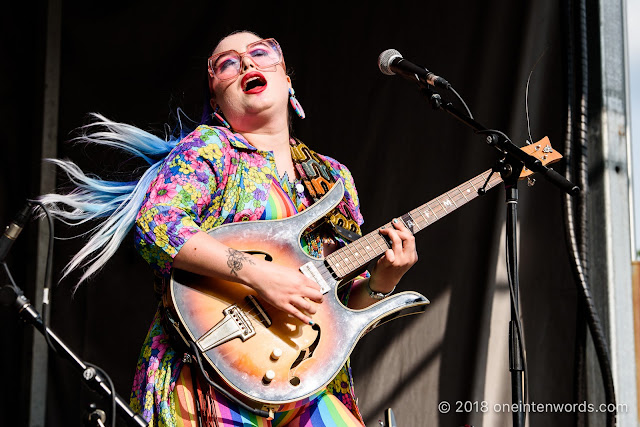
point(509, 168)
point(13, 295)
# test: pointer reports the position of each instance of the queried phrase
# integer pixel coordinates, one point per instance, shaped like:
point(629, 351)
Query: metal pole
point(39, 361)
point(610, 226)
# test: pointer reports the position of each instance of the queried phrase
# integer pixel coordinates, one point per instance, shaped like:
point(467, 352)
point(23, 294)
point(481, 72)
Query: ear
point(289, 81)
point(213, 104)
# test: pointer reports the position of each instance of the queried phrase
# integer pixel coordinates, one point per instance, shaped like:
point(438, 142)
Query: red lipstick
point(253, 82)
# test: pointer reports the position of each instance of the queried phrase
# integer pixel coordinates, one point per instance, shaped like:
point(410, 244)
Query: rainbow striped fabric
point(280, 203)
point(324, 410)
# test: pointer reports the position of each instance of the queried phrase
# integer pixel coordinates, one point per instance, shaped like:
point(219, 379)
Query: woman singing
point(247, 167)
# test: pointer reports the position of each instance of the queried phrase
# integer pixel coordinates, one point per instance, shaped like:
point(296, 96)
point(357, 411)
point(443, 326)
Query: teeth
point(250, 80)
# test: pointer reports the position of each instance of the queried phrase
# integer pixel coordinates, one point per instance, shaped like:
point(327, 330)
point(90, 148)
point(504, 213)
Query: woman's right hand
point(286, 289)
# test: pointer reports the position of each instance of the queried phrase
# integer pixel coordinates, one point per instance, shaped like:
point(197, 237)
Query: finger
point(405, 235)
point(392, 234)
point(390, 256)
point(299, 315)
point(403, 231)
point(309, 283)
point(306, 306)
point(399, 224)
point(311, 293)
point(396, 241)
point(408, 242)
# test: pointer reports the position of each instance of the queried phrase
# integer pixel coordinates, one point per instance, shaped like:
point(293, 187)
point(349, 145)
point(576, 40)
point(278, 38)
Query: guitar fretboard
point(359, 253)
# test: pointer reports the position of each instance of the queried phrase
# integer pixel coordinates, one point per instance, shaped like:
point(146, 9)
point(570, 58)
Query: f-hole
point(259, 254)
point(305, 353)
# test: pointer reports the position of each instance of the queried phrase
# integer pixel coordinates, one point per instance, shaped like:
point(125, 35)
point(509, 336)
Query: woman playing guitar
point(240, 164)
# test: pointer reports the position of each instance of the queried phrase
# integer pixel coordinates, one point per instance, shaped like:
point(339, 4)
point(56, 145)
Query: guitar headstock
point(543, 151)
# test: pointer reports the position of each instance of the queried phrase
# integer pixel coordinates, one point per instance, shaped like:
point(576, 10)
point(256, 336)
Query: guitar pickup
point(234, 324)
point(311, 271)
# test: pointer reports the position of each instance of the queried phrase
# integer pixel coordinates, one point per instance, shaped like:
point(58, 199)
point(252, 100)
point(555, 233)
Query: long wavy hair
point(115, 203)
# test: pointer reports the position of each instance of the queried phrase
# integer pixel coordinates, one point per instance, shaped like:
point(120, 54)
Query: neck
point(264, 131)
point(275, 141)
point(271, 135)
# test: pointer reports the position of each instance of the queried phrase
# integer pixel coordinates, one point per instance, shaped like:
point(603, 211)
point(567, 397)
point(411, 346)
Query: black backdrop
point(137, 62)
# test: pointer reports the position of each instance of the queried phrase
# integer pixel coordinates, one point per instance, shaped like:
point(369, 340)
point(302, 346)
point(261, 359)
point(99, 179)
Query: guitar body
point(262, 353)
point(270, 358)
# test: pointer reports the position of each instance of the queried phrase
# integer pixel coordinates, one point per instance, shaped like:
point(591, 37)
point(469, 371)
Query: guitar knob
point(268, 376)
point(276, 353)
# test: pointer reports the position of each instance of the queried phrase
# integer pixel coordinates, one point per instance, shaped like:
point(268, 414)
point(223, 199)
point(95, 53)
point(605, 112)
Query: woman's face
point(255, 96)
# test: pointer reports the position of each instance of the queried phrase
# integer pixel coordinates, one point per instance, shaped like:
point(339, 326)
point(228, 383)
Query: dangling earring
point(295, 103)
point(221, 119)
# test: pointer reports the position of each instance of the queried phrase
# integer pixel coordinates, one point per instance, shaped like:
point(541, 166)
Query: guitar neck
point(361, 252)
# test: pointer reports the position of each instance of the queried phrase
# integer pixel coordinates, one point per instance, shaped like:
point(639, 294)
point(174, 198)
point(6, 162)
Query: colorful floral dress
point(212, 177)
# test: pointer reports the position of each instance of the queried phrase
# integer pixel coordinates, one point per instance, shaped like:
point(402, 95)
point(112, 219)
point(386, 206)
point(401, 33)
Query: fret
point(421, 210)
point(441, 204)
point(475, 190)
point(432, 212)
point(382, 244)
point(471, 186)
point(446, 203)
point(462, 193)
point(469, 192)
point(359, 253)
point(336, 267)
point(368, 247)
point(439, 209)
point(453, 200)
point(348, 259)
point(350, 249)
point(419, 218)
point(409, 222)
point(345, 260)
point(355, 248)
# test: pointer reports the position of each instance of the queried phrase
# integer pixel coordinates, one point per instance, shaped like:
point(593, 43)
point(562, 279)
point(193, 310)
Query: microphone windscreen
point(385, 59)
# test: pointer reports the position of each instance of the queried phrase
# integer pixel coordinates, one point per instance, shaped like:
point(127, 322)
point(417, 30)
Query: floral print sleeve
point(187, 181)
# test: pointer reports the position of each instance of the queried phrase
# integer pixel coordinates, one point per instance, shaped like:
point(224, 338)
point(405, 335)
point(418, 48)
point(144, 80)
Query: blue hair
point(116, 203)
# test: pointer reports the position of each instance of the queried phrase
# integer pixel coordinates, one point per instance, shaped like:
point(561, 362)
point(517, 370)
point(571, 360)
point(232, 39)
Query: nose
point(246, 63)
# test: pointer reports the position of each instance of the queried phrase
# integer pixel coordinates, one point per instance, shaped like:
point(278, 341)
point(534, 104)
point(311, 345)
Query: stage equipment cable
point(46, 305)
point(577, 240)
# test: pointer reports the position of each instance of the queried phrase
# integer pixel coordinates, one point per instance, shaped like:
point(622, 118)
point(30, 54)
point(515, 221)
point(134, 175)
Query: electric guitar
point(269, 357)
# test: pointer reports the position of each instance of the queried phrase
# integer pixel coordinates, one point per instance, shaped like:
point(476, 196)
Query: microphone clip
point(434, 97)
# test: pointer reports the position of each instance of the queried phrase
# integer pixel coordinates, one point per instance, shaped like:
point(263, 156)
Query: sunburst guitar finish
point(270, 358)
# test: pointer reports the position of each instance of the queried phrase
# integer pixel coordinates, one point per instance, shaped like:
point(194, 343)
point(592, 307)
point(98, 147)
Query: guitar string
point(253, 312)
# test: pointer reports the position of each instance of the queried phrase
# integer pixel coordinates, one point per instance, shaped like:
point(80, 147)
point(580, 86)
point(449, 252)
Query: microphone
point(13, 230)
point(391, 62)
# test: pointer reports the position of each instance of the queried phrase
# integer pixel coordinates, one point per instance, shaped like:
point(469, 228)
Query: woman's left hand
point(396, 261)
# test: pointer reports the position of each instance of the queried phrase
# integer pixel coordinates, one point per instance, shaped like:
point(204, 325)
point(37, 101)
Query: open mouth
point(253, 83)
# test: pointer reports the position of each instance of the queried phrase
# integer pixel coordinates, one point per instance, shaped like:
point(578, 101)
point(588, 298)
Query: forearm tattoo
point(234, 262)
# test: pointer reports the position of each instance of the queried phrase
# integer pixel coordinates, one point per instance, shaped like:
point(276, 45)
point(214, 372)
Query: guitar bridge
point(264, 317)
point(234, 324)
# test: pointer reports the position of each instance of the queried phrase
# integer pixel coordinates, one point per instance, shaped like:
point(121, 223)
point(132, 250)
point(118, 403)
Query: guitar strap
point(317, 179)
